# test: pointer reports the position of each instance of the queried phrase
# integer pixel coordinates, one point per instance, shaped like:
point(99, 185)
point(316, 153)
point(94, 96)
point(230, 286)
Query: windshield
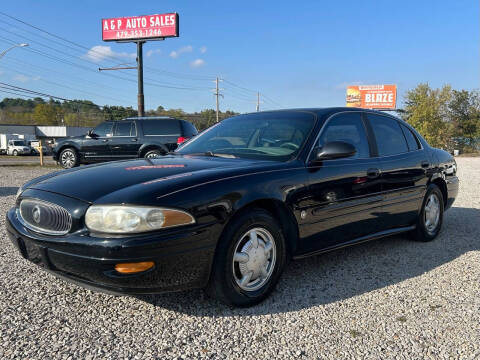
point(18, 143)
point(270, 136)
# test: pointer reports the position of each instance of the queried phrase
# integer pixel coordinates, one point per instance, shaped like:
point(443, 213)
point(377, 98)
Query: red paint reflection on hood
point(146, 167)
point(167, 178)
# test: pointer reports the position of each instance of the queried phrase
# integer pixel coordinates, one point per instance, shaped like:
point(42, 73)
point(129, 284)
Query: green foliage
point(86, 113)
point(446, 118)
point(48, 114)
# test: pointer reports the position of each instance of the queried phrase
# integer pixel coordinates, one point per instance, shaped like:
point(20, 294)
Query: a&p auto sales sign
point(140, 27)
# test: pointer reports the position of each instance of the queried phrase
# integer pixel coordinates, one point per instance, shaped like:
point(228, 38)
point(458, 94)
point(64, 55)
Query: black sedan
point(229, 208)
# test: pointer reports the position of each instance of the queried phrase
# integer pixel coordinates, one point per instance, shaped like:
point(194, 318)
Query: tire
point(239, 280)
point(68, 158)
point(430, 218)
point(153, 154)
point(15, 153)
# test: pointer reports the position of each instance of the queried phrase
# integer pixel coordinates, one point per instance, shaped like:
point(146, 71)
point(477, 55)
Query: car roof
point(326, 111)
point(150, 118)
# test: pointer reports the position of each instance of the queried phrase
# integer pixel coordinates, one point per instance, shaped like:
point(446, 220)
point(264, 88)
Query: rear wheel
point(249, 260)
point(430, 219)
point(153, 154)
point(68, 158)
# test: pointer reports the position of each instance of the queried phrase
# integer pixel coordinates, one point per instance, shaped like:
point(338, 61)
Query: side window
point(411, 139)
point(389, 135)
point(161, 127)
point(349, 128)
point(104, 129)
point(124, 128)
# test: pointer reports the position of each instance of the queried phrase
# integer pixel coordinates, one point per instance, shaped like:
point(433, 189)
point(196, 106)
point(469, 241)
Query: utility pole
point(141, 98)
point(258, 101)
point(217, 94)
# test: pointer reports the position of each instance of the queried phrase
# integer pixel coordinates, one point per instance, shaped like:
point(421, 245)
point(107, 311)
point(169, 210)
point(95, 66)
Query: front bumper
point(182, 257)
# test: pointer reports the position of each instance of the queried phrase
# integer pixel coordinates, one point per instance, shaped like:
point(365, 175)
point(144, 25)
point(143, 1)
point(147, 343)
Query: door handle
point(105, 140)
point(373, 173)
point(425, 164)
point(134, 140)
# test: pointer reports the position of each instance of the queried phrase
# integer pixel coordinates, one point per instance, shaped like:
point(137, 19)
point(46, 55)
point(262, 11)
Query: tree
point(48, 114)
point(464, 111)
point(427, 110)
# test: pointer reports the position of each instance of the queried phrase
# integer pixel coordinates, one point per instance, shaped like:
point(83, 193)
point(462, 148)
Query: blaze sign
point(140, 27)
point(372, 96)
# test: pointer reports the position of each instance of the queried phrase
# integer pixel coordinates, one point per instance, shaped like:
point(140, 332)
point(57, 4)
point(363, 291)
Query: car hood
point(161, 176)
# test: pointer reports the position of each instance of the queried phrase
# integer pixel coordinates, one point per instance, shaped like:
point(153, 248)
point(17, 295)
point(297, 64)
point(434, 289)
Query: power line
point(168, 73)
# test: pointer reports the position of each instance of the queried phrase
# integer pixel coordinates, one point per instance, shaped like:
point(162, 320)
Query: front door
point(124, 143)
point(345, 194)
point(96, 147)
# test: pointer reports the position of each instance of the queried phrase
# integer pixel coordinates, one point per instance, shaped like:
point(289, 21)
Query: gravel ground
point(390, 298)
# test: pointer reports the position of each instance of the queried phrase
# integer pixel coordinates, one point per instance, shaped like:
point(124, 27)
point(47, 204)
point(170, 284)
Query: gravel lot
point(391, 298)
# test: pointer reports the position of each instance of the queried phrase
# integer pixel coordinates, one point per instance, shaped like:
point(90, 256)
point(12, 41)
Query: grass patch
point(401, 318)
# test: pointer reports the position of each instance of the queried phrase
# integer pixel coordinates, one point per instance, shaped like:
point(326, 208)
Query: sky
point(296, 54)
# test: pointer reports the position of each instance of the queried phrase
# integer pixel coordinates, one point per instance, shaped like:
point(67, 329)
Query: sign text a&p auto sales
point(140, 27)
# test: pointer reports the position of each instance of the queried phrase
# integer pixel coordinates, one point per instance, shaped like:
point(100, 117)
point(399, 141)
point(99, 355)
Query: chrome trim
point(67, 217)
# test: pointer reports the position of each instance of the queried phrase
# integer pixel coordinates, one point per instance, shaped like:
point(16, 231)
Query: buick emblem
point(36, 214)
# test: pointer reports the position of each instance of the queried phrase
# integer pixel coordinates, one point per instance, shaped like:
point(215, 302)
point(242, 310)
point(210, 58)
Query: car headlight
point(118, 219)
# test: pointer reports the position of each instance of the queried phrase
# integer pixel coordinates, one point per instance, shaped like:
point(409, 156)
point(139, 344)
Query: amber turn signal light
point(131, 268)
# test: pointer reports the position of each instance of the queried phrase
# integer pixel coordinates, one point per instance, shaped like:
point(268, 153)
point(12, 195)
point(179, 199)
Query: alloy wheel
point(68, 159)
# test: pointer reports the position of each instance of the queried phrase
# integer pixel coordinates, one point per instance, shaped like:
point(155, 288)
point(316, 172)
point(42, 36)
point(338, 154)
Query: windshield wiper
point(212, 154)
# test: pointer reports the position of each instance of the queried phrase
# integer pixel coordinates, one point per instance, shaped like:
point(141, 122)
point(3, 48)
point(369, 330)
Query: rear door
point(124, 142)
point(345, 194)
point(403, 165)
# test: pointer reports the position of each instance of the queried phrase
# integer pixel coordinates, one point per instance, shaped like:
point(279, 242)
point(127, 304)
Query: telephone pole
point(141, 98)
point(217, 93)
point(258, 101)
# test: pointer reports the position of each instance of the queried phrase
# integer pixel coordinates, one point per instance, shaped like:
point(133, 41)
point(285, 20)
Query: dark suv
point(135, 137)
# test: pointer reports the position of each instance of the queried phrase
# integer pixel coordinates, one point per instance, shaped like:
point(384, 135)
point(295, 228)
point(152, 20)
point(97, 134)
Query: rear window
point(161, 127)
point(411, 139)
point(188, 129)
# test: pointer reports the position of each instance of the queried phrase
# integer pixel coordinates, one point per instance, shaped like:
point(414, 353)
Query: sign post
point(140, 29)
point(141, 98)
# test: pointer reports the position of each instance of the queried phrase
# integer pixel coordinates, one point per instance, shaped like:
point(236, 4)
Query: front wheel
point(15, 153)
point(430, 218)
point(68, 158)
point(249, 260)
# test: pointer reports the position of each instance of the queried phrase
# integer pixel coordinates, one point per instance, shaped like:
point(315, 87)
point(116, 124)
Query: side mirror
point(334, 150)
point(92, 134)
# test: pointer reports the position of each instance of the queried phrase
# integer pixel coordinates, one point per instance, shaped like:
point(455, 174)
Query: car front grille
point(44, 217)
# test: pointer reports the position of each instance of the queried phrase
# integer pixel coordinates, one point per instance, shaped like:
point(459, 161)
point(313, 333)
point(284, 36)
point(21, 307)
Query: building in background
point(44, 132)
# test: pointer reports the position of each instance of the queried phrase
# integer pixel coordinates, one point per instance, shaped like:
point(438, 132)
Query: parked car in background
point(228, 209)
point(34, 148)
point(18, 147)
point(136, 137)
point(14, 144)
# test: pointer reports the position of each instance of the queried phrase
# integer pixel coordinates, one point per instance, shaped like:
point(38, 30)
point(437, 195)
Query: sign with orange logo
point(372, 96)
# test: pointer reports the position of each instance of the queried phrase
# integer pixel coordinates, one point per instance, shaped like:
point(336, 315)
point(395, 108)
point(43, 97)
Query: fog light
point(131, 268)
